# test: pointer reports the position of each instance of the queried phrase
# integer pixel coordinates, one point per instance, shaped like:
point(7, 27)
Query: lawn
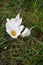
point(27, 50)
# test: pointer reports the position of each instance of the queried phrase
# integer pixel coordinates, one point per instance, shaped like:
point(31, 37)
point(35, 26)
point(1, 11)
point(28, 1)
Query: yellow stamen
point(13, 33)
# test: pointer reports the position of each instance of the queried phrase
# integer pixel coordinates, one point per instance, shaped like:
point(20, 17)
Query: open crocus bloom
point(14, 27)
point(25, 33)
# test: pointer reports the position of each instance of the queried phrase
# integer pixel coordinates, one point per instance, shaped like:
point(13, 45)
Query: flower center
point(13, 33)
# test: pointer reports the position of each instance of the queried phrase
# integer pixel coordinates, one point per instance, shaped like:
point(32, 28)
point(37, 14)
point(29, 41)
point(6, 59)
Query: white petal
point(8, 31)
point(18, 20)
point(21, 28)
point(17, 17)
point(13, 20)
point(18, 23)
point(25, 33)
point(7, 19)
point(9, 25)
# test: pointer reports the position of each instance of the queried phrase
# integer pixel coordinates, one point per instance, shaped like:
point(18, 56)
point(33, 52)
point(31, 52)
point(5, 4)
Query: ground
point(22, 51)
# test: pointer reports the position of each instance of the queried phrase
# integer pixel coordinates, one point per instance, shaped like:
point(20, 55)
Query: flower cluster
point(15, 29)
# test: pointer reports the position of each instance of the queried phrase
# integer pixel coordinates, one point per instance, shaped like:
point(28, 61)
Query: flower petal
point(8, 31)
point(16, 23)
point(13, 20)
point(8, 26)
point(17, 17)
point(19, 22)
point(21, 28)
point(7, 19)
point(11, 25)
point(25, 33)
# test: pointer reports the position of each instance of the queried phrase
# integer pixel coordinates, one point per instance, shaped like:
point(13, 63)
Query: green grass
point(22, 51)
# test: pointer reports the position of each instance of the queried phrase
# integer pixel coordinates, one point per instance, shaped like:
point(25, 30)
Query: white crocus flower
point(14, 27)
point(27, 32)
